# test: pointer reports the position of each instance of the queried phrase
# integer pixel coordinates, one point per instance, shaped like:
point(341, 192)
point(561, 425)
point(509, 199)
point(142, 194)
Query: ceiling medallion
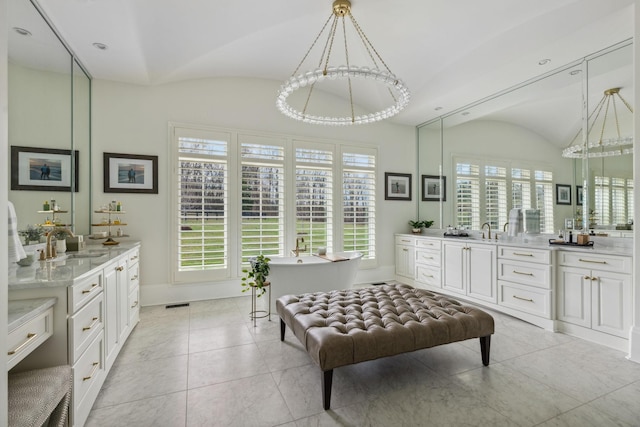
point(378, 72)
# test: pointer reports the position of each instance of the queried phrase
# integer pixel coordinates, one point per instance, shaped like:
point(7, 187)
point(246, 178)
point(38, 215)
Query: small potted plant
point(418, 225)
point(256, 276)
point(31, 234)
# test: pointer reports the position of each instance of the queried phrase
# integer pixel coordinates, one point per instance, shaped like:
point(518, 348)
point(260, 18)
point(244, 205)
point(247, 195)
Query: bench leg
point(327, 379)
point(282, 329)
point(485, 348)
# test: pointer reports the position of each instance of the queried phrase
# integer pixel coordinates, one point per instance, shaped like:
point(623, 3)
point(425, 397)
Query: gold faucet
point(49, 251)
point(504, 227)
point(296, 251)
point(488, 225)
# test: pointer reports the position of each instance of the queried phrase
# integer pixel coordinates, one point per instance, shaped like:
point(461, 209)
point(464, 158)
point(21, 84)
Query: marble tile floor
point(206, 365)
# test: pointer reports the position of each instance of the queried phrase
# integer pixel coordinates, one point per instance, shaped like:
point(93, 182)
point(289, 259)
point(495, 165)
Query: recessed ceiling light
point(575, 72)
point(100, 46)
point(438, 108)
point(22, 31)
point(544, 61)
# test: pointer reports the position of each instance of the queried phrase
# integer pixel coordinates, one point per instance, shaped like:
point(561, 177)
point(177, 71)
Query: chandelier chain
point(332, 36)
point(346, 54)
point(311, 47)
point(364, 37)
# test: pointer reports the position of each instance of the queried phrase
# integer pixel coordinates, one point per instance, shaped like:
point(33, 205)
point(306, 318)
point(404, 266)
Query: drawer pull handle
point(133, 258)
point(86, 328)
point(119, 268)
point(406, 241)
point(96, 365)
point(87, 291)
point(427, 275)
point(427, 257)
point(521, 254)
point(135, 304)
point(592, 261)
point(523, 299)
point(524, 274)
point(30, 337)
point(134, 277)
point(406, 250)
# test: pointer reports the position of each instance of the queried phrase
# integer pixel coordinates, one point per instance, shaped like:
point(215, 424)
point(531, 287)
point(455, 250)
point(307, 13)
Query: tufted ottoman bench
point(340, 328)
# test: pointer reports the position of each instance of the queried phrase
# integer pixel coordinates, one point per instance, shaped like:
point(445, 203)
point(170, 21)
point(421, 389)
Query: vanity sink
point(88, 254)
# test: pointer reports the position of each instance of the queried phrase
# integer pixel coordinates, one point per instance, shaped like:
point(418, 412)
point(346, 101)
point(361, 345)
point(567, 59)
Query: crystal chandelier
point(603, 136)
point(378, 73)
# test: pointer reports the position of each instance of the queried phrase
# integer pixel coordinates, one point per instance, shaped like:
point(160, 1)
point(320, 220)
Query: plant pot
point(416, 230)
point(61, 246)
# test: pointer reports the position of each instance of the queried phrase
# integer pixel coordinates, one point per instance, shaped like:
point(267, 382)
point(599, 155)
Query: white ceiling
point(448, 52)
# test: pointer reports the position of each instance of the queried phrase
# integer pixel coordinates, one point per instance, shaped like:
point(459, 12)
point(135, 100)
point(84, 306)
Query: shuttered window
point(314, 196)
point(502, 188)
point(613, 197)
point(359, 201)
point(262, 197)
point(202, 195)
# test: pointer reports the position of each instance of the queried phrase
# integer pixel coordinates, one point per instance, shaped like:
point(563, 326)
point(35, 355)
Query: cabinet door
point(481, 272)
point(110, 282)
point(405, 261)
point(454, 268)
point(611, 303)
point(123, 301)
point(574, 296)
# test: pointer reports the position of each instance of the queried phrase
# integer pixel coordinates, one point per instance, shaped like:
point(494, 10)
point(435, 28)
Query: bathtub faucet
point(296, 251)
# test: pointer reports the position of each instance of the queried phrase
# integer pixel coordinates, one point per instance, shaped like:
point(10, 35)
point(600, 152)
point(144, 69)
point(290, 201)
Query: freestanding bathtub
point(300, 275)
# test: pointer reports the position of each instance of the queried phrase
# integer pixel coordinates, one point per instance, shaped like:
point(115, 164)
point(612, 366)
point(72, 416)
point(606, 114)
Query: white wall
point(134, 120)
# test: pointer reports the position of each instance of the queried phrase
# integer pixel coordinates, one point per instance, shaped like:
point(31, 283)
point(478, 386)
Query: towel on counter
point(16, 251)
point(515, 222)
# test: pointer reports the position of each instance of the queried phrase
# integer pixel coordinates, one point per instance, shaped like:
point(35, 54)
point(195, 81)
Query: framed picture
point(434, 188)
point(397, 186)
point(44, 169)
point(568, 223)
point(563, 194)
point(130, 173)
point(579, 195)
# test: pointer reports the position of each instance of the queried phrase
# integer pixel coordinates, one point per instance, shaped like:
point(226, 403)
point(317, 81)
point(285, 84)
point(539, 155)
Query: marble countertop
point(66, 268)
point(21, 311)
point(601, 245)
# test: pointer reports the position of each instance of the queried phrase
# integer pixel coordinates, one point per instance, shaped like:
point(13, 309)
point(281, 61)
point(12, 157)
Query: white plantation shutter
point(262, 197)
point(618, 201)
point(468, 196)
point(314, 196)
point(629, 199)
point(520, 188)
point(495, 194)
point(602, 200)
point(202, 189)
point(359, 201)
point(544, 199)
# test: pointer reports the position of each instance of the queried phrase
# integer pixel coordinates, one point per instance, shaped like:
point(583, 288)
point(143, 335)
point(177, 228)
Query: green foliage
point(420, 224)
point(32, 234)
point(256, 276)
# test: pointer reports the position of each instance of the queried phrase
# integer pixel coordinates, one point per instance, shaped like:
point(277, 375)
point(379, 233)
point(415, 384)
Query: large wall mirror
point(506, 151)
point(49, 110)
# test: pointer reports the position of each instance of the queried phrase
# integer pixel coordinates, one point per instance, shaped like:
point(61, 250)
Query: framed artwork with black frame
point(563, 194)
point(434, 188)
point(397, 186)
point(579, 195)
point(130, 173)
point(44, 169)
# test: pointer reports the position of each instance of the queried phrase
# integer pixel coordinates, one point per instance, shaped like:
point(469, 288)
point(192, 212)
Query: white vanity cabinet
point(595, 291)
point(525, 280)
point(428, 261)
point(470, 269)
point(91, 319)
point(405, 256)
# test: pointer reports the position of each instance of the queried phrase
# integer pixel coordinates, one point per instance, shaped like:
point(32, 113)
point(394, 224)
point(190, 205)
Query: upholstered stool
point(40, 396)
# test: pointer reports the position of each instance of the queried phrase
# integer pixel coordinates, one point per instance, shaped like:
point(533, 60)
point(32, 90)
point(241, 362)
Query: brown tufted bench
point(341, 328)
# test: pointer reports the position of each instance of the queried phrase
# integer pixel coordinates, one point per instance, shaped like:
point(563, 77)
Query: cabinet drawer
point(432, 244)
point(540, 256)
point(531, 300)
point(133, 276)
point(85, 325)
point(23, 340)
point(405, 240)
point(618, 264)
point(429, 275)
point(88, 376)
point(538, 275)
point(133, 257)
point(134, 306)
point(84, 291)
point(427, 257)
